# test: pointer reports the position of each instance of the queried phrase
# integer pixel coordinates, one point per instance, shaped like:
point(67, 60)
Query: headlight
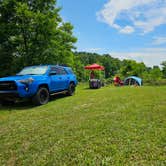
point(27, 81)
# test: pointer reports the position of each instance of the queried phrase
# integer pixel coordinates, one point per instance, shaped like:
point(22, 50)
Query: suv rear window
point(70, 71)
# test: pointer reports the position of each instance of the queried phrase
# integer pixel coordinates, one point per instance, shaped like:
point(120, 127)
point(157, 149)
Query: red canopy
point(94, 67)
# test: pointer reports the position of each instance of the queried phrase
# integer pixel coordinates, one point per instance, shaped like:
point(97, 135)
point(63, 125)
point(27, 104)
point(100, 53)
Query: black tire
point(98, 84)
point(71, 89)
point(42, 96)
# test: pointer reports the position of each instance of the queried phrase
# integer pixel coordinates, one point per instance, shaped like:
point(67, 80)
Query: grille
point(8, 85)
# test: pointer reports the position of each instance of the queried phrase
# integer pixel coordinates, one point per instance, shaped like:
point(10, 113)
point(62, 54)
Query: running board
point(56, 93)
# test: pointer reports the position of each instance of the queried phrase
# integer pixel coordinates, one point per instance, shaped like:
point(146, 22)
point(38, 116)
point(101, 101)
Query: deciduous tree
point(31, 33)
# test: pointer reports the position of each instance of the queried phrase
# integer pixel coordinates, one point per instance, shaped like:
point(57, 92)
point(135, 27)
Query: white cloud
point(143, 15)
point(159, 40)
point(127, 30)
point(92, 49)
point(150, 56)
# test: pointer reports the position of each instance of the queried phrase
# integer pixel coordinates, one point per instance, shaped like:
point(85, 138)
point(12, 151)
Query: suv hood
point(17, 77)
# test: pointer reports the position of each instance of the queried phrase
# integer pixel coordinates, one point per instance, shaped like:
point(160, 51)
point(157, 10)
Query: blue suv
point(38, 83)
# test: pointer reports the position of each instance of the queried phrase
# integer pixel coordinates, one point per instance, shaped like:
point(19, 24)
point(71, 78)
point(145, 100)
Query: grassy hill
point(108, 126)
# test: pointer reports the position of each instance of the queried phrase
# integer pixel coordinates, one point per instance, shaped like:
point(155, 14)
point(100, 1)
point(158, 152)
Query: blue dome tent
point(133, 80)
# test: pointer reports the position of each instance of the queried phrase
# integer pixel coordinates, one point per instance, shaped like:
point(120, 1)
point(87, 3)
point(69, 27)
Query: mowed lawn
point(107, 126)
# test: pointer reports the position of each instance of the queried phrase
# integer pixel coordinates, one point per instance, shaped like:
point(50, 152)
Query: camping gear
point(133, 80)
point(94, 82)
point(118, 81)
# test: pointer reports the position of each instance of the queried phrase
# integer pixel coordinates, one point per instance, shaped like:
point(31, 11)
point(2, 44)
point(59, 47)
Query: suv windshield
point(34, 70)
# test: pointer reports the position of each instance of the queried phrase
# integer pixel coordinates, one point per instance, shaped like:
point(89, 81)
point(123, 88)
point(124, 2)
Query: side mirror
point(52, 73)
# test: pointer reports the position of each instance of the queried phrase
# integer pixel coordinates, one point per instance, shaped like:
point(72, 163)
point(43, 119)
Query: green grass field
point(108, 126)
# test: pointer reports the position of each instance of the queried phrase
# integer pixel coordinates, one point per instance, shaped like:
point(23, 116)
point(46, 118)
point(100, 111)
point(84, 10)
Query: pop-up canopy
point(94, 67)
point(93, 81)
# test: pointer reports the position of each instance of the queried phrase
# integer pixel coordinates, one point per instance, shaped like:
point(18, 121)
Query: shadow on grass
point(86, 88)
point(17, 106)
point(26, 105)
point(58, 97)
point(91, 89)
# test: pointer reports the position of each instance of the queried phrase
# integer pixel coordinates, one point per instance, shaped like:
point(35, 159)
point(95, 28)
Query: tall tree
point(7, 31)
point(32, 32)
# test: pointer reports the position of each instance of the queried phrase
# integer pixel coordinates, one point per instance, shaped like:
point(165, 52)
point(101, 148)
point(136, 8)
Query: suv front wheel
point(42, 96)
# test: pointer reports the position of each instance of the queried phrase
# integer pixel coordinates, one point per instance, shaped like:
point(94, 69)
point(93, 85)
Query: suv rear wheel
point(42, 96)
point(71, 89)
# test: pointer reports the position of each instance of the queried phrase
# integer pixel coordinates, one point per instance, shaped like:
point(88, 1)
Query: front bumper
point(10, 96)
point(22, 91)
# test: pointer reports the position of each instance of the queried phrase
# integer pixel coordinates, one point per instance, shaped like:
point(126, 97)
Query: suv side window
point(53, 70)
point(63, 71)
point(60, 71)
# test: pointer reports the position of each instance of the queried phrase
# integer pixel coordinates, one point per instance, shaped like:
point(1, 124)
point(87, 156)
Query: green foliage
point(108, 126)
point(156, 82)
point(7, 30)
point(156, 73)
point(153, 76)
point(32, 32)
point(131, 67)
point(164, 68)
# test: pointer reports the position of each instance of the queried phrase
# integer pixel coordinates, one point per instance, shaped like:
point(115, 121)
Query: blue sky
point(126, 29)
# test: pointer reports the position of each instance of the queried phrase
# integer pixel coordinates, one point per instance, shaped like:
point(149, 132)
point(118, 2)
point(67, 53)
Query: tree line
point(115, 66)
point(32, 32)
